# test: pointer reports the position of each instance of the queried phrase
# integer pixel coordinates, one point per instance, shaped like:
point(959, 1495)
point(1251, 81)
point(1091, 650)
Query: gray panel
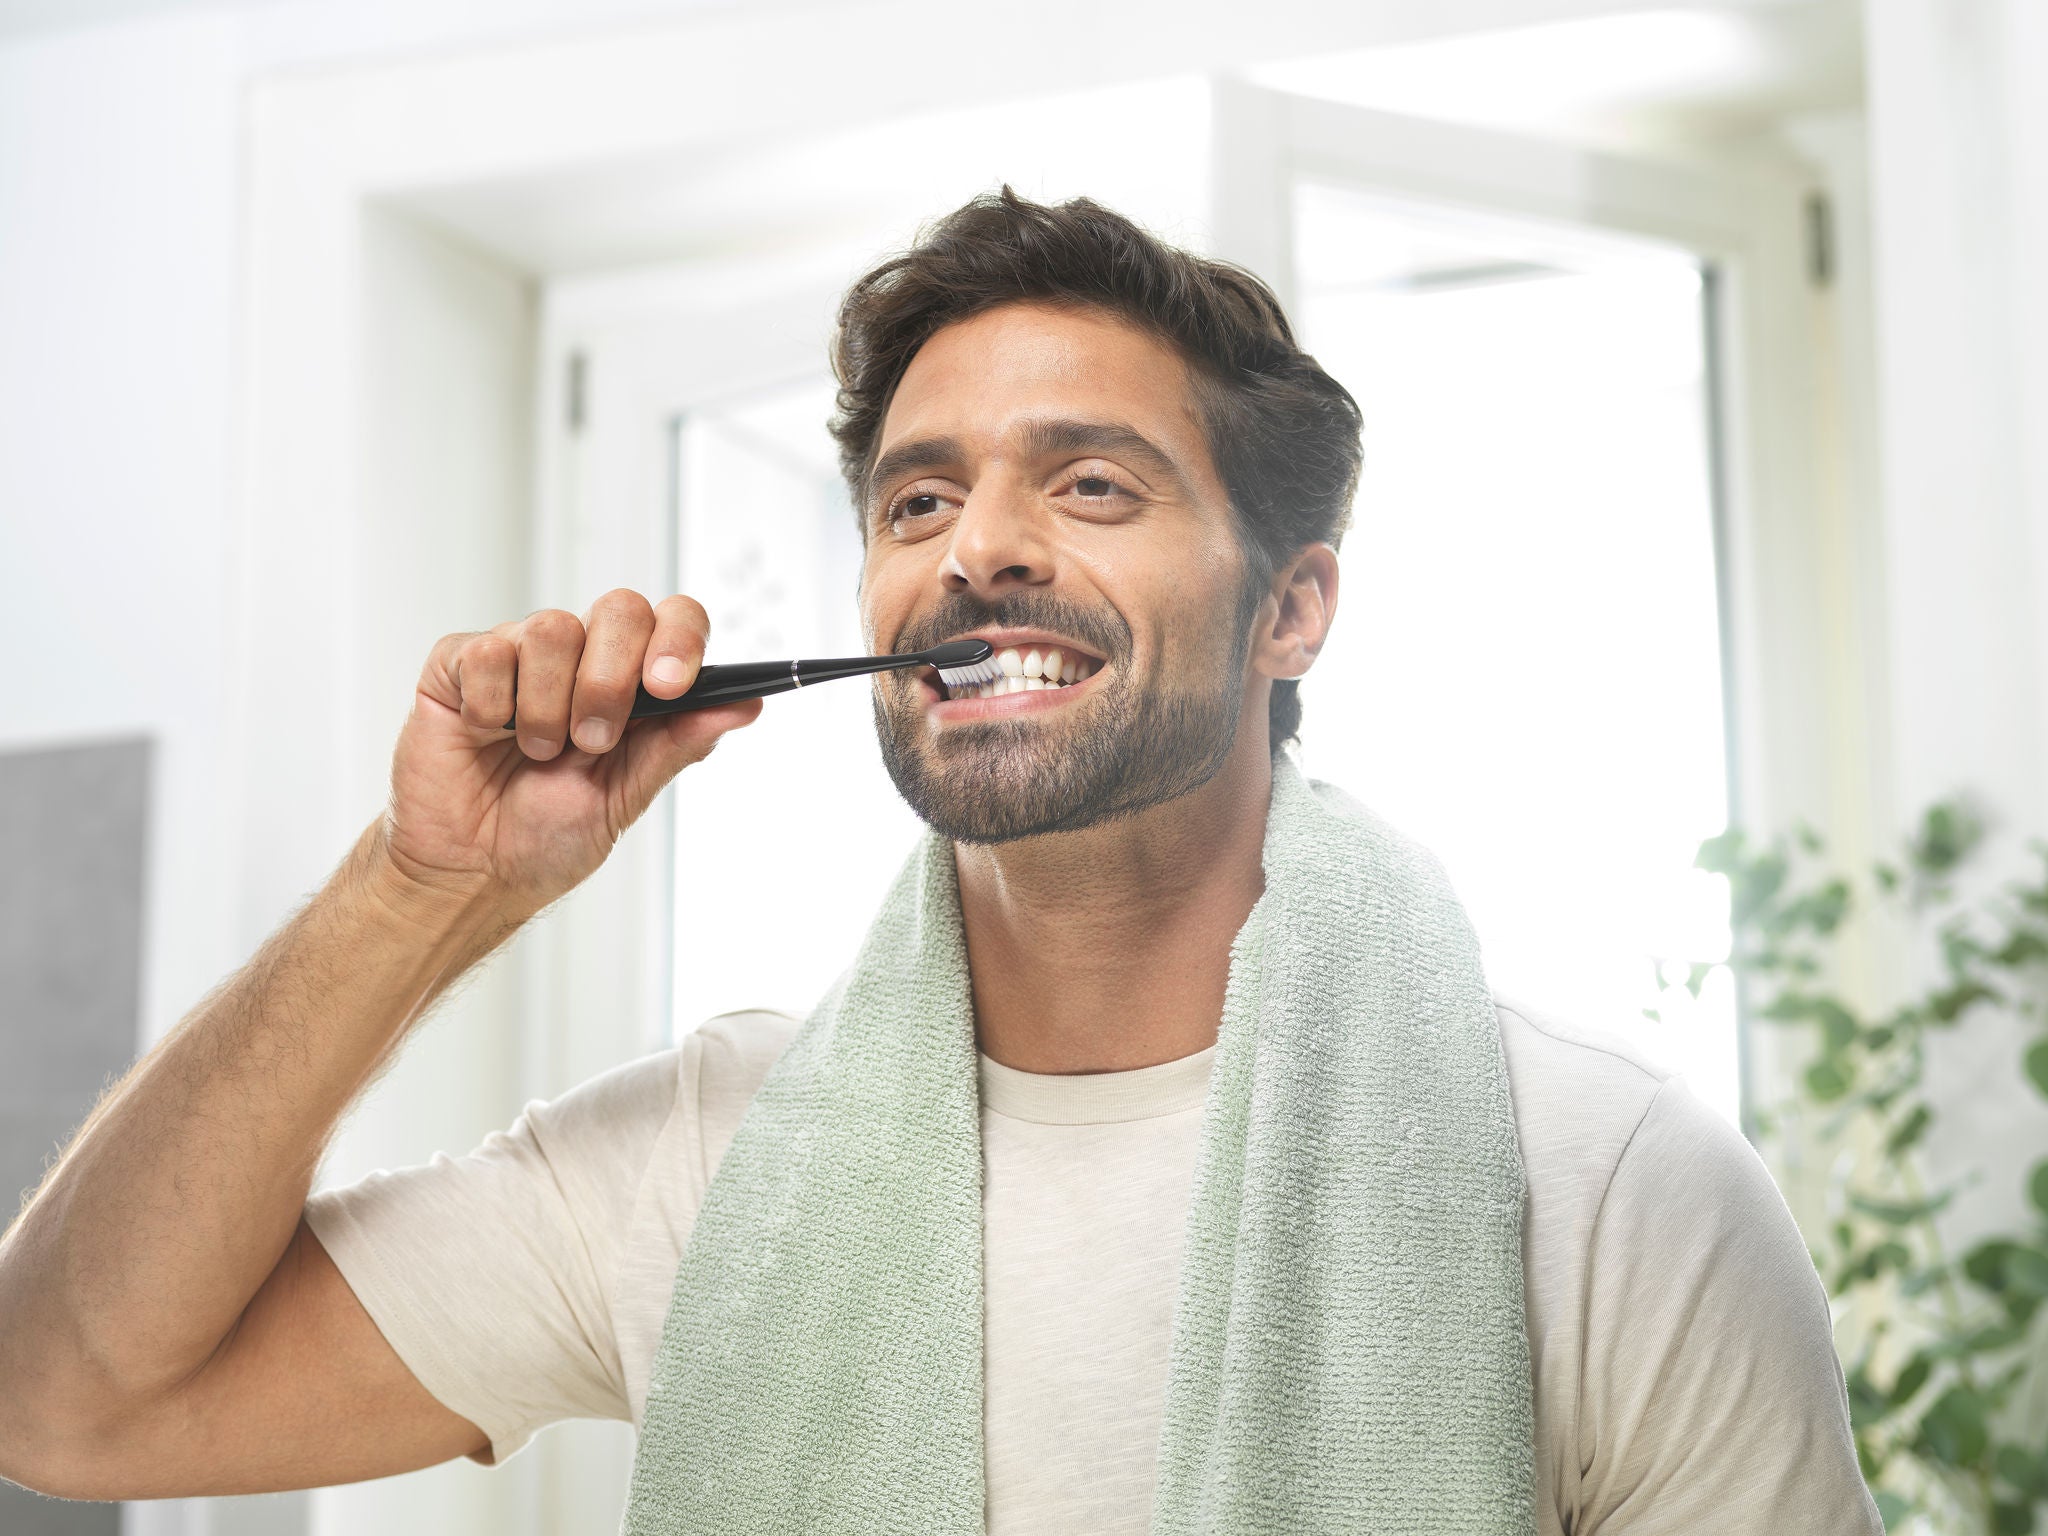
point(73, 831)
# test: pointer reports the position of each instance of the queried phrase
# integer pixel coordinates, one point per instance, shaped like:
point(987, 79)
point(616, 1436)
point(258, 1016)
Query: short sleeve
point(1712, 1396)
point(492, 1274)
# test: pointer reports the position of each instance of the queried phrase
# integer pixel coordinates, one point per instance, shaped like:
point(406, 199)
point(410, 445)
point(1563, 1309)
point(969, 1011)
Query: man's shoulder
point(1579, 1094)
point(730, 1053)
point(1550, 1057)
point(1542, 1040)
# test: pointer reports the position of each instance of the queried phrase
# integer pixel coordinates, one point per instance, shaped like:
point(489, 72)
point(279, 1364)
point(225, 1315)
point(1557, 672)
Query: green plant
point(1925, 1408)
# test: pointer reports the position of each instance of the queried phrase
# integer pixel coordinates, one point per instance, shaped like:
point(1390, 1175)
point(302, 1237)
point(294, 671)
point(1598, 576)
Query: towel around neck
point(1349, 1347)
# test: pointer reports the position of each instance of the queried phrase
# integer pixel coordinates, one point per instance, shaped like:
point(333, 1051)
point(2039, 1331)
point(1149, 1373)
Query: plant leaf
point(2025, 946)
point(2037, 1064)
point(1920, 1281)
point(1867, 1405)
point(2025, 1471)
point(1953, 1431)
point(1912, 1377)
point(1827, 1079)
point(1909, 1131)
point(1720, 854)
point(1821, 910)
point(1947, 1005)
point(1947, 834)
point(1897, 1213)
point(2026, 1271)
point(1985, 1263)
point(1751, 887)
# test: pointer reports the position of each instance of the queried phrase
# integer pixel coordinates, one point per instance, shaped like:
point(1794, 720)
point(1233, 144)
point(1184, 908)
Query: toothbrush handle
point(729, 682)
point(722, 684)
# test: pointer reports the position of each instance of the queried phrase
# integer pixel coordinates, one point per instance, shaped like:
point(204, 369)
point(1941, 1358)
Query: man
point(1160, 1164)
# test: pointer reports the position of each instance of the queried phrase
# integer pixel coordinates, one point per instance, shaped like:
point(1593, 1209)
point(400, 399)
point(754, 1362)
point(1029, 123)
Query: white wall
point(117, 359)
point(1958, 115)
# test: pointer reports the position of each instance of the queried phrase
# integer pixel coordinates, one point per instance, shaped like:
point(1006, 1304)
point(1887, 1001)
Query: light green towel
point(1349, 1352)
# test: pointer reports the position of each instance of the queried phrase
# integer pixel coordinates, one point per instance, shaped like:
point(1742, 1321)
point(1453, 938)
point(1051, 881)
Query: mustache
point(1103, 630)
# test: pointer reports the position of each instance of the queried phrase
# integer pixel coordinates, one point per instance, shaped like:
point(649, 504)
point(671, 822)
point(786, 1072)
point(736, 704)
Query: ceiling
point(1659, 78)
point(1682, 79)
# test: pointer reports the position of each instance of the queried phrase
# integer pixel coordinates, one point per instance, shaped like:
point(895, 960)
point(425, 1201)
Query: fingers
point(571, 680)
point(550, 646)
point(677, 650)
point(484, 669)
point(608, 676)
point(471, 675)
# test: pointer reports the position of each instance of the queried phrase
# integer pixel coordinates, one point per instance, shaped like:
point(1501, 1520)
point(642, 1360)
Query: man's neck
point(1109, 948)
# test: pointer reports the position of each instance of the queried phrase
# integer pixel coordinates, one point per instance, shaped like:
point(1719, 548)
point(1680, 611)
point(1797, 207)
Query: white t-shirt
point(1681, 1342)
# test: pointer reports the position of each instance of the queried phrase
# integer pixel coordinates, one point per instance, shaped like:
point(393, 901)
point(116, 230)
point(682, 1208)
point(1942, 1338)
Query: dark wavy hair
point(1283, 434)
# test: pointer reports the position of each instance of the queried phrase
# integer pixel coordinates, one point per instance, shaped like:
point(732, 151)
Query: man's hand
point(475, 810)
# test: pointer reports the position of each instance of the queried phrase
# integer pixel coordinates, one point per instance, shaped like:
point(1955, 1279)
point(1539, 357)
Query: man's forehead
point(994, 375)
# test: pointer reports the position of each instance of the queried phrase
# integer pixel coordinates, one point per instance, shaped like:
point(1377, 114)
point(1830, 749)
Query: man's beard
point(1130, 748)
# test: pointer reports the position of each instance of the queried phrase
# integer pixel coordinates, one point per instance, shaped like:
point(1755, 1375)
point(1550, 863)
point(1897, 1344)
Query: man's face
point(1042, 482)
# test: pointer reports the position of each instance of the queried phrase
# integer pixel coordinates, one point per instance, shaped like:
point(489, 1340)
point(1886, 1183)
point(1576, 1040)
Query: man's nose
point(998, 542)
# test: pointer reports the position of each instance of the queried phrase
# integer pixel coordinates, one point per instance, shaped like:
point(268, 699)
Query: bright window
point(1525, 672)
point(776, 888)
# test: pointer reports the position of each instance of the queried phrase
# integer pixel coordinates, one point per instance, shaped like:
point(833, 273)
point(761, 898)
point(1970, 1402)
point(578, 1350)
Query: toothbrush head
point(963, 663)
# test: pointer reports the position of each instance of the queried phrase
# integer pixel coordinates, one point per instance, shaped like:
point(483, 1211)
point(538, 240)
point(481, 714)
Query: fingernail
point(667, 670)
point(593, 735)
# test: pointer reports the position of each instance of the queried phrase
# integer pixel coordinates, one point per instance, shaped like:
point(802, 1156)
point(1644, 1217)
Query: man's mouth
point(1030, 666)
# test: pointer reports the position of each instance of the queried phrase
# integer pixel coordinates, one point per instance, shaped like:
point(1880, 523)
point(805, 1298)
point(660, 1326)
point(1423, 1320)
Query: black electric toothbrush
point(960, 664)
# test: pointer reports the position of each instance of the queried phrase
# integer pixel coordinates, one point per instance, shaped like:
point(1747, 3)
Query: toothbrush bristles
point(968, 677)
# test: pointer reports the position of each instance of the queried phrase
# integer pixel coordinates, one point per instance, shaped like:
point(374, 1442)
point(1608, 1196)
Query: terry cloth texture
point(1349, 1349)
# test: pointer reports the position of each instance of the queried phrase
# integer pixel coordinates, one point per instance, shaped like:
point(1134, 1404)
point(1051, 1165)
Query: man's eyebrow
point(921, 453)
point(1113, 439)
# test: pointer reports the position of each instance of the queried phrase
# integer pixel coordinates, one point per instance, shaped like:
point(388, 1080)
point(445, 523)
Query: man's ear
point(1294, 621)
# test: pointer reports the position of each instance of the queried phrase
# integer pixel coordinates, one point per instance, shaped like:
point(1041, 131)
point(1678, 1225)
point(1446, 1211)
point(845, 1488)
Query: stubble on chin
point(996, 781)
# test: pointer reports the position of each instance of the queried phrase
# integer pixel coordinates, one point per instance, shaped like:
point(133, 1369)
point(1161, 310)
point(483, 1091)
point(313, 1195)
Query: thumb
point(656, 750)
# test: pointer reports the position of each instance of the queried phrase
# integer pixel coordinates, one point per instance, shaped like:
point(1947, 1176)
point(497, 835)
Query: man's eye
point(923, 504)
point(1096, 486)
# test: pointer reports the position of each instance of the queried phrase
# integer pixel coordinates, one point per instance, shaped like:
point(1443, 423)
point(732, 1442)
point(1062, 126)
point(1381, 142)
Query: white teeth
point(1030, 669)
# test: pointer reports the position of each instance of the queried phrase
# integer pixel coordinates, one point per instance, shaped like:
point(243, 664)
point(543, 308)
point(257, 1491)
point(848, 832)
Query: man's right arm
point(168, 1323)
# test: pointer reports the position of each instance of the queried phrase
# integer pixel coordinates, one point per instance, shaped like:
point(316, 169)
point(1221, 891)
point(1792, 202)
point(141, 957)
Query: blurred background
point(1704, 365)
